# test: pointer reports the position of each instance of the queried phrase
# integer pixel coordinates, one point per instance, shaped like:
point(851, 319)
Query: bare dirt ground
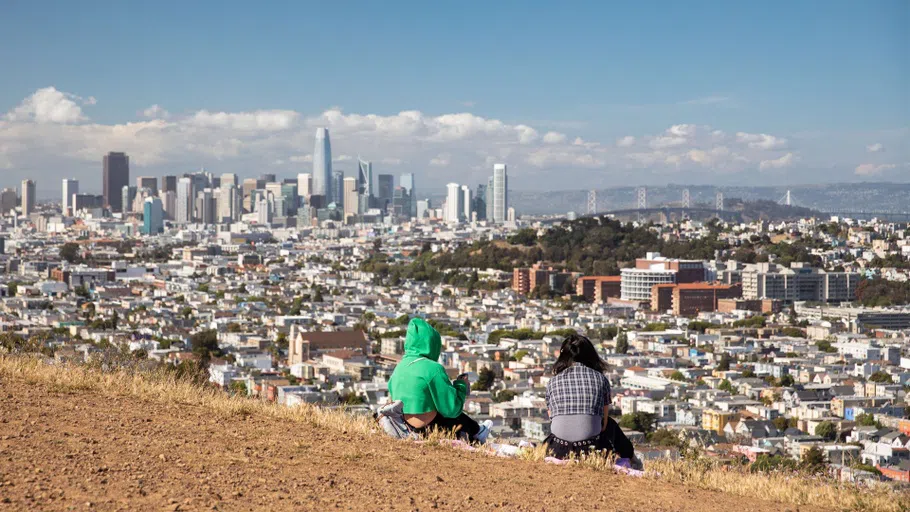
point(85, 451)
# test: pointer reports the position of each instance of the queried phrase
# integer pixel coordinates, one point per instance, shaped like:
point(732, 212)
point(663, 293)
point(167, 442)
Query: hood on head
point(422, 340)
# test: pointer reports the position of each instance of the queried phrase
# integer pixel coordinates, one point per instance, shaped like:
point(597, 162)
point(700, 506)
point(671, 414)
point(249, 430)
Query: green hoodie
point(419, 381)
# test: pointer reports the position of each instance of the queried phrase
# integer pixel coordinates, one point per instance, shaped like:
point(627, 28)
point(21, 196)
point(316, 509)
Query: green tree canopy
point(639, 421)
point(814, 460)
point(827, 430)
point(622, 343)
point(485, 379)
point(70, 252)
point(880, 377)
point(205, 344)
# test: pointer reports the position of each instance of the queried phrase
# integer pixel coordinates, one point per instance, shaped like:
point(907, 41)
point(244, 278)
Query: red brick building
point(521, 281)
point(691, 298)
point(765, 306)
point(525, 280)
point(662, 296)
point(598, 288)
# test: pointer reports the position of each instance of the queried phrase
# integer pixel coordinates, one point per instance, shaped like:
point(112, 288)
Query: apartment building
point(525, 280)
point(637, 283)
point(798, 283)
point(716, 420)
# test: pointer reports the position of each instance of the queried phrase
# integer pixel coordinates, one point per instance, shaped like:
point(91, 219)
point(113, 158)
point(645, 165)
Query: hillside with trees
point(591, 245)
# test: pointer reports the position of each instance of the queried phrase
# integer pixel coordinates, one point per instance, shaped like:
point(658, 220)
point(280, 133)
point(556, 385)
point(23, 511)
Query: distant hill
point(890, 197)
point(763, 209)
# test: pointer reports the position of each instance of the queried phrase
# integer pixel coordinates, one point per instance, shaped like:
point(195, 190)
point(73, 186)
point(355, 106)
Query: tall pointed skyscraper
point(365, 177)
point(322, 166)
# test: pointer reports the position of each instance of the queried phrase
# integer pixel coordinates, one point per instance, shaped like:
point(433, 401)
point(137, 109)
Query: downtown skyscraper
point(28, 197)
point(406, 181)
point(304, 185)
point(453, 207)
point(70, 188)
point(365, 177)
point(500, 193)
point(185, 201)
point(338, 196)
point(116, 175)
point(322, 166)
point(152, 216)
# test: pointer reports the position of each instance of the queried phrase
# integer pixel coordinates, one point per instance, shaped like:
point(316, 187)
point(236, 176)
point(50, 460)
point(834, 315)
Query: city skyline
point(644, 99)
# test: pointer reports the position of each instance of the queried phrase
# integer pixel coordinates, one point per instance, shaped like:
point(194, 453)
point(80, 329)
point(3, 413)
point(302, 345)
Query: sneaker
point(392, 409)
point(485, 429)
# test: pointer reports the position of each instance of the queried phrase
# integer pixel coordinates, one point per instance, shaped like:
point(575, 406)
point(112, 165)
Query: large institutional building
point(798, 282)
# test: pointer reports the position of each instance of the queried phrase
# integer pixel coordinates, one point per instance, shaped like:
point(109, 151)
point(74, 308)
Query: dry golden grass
point(784, 487)
point(164, 387)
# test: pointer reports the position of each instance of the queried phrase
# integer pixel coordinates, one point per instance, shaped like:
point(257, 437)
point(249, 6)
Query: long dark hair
point(578, 349)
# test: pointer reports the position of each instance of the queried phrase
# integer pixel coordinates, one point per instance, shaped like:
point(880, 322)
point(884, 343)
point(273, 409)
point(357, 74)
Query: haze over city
point(577, 97)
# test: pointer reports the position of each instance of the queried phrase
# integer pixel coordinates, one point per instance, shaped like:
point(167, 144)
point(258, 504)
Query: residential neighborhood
point(750, 355)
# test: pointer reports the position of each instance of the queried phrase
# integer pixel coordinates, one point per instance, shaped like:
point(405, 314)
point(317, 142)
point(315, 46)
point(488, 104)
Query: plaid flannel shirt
point(578, 390)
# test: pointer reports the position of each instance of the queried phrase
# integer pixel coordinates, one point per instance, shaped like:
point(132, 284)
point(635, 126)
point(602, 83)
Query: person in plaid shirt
point(578, 401)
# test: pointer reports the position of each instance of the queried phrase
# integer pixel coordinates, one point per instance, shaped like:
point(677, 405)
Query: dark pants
point(463, 425)
point(611, 440)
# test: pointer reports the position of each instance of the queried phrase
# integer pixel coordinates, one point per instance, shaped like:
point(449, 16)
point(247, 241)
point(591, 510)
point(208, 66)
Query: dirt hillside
point(82, 450)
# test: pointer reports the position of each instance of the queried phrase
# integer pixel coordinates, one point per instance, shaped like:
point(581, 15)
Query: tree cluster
point(881, 292)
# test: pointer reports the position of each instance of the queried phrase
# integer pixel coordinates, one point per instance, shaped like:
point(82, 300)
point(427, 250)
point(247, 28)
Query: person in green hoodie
point(430, 400)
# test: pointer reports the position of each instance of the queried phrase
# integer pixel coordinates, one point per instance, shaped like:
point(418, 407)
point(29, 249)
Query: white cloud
point(664, 141)
point(626, 141)
point(526, 134)
point(568, 157)
point(708, 157)
point(441, 160)
point(878, 147)
point(156, 112)
point(682, 130)
point(260, 120)
point(36, 136)
point(554, 138)
point(761, 140)
point(676, 135)
point(48, 105)
point(778, 163)
point(872, 169)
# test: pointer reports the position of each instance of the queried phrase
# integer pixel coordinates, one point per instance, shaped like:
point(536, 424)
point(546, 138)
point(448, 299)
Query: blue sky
point(831, 79)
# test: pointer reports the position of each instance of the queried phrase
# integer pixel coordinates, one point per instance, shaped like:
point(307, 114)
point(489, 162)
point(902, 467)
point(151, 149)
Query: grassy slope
point(147, 441)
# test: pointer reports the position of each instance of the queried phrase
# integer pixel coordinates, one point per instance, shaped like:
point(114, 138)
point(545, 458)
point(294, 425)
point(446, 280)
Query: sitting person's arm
point(448, 396)
point(607, 398)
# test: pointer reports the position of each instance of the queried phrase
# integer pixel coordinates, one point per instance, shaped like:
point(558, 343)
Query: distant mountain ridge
point(837, 197)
